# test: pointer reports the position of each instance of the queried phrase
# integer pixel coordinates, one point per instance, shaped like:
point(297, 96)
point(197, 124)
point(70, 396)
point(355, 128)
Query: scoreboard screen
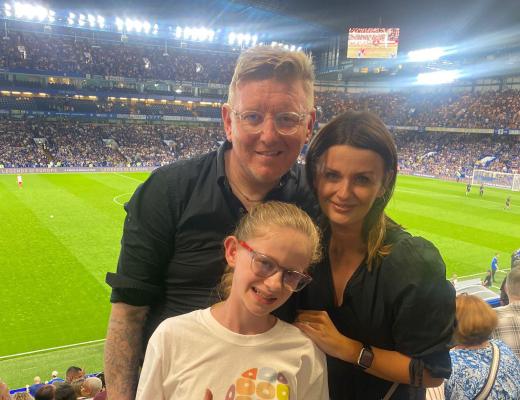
point(372, 42)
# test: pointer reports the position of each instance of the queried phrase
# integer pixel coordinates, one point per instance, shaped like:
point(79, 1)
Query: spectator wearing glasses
point(237, 347)
point(171, 259)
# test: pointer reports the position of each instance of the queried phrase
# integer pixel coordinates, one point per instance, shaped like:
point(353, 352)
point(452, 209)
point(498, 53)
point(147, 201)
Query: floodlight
point(254, 40)
point(231, 38)
point(178, 32)
point(81, 20)
point(186, 32)
point(426, 54)
point(178, 90)
point(146, 27)
point(51, 16)
point(40, 13)
point(155, 29)
point(120, 24)
point(100, 21)
point(211, 35)
point(138, 26)
point(299, 48)
point(91, 20)
point(129, 24)
point(437, 77)
point(293, 47)
point(8, 10)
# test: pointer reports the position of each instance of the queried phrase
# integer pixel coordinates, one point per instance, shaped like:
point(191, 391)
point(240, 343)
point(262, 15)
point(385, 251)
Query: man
point(35, 386)
point(468, 188)
point(508, 329)
point(481, 190)
point(494, 267)
point(73, 374)
point(171, 252)
point(515, 263)
point(91, 387)
point(55, 378)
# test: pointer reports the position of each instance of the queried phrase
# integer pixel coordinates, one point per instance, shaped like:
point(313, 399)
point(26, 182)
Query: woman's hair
point(266, 216)
point(362, 130)
point(475, 320)
point(266, 62)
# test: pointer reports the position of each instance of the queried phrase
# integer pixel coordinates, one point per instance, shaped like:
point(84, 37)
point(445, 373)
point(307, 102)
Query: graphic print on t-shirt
point(259, 384)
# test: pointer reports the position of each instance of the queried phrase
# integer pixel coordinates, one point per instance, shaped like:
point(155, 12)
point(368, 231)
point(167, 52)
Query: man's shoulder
point(508, 310)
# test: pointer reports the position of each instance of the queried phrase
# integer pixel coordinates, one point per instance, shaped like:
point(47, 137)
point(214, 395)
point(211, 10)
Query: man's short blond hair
point(267, 62)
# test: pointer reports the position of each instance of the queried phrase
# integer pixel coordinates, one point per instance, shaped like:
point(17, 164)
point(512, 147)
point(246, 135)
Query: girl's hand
point(319, 327)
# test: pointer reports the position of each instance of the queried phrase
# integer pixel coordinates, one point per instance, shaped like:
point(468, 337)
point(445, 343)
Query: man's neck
point(245, 188)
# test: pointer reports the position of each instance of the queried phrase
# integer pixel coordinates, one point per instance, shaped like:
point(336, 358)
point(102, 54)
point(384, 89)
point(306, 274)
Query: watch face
point(365, 358)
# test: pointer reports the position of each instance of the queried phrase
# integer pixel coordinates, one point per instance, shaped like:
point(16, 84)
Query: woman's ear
point(231, 248)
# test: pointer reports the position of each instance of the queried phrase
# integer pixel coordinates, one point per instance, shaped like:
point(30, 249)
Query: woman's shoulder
point(413, 252)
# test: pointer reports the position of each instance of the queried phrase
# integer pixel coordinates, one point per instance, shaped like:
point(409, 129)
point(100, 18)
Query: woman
point(386, 309)
point(472, 356)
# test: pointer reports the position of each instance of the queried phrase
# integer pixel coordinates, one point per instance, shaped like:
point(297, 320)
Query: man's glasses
point(285, 123)
point(264, 267)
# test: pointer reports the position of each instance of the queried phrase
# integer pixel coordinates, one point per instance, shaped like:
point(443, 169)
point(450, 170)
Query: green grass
point(60, 235)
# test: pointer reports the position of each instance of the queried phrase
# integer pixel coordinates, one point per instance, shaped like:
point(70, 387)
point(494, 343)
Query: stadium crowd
point(35, 143)
point(493, 109)
point(56, 54)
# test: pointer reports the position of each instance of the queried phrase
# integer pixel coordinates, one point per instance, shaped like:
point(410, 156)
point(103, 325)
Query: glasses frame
point(240, 116)
point(305, 279)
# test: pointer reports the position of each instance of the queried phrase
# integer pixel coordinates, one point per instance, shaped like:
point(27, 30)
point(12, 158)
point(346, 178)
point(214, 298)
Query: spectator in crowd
point(515, 263)
point(55, 377)
point(241, 331)
point(372, 266)
point(473, 355)
point(65, 391)
point(170, 259)
point(35, 386)
point(508, 328)
point(91, 387)
point(73, 374)
point(46, 392)
point(22, 396)
point(77, 385)
point(4, 391)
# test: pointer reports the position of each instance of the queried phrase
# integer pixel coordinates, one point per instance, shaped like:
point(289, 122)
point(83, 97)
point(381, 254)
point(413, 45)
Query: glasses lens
point(287, 123)
point(252, 120)
point(295, 280)
point(263, 266)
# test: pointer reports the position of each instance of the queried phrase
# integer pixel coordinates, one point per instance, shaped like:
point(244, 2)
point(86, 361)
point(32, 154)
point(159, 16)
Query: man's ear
point(231, 249)
point(310, 125)
point(226, 119)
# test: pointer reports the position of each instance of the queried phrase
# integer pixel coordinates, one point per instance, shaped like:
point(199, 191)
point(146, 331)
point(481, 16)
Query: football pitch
point(60, 234)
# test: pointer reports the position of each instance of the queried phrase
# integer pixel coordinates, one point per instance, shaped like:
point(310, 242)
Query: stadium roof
point(423, 23)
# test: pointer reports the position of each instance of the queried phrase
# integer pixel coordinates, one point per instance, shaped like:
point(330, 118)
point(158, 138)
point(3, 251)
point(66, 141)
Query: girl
point(237, 348)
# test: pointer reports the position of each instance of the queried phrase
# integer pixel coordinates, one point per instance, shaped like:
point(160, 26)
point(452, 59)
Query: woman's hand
point(319, 327)
point(208, 395)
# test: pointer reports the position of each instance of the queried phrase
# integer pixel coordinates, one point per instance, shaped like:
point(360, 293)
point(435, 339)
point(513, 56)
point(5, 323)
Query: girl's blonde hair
point(262, 218)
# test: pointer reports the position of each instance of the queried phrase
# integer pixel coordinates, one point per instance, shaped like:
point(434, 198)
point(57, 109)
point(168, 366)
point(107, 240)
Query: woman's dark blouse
point(406, 304)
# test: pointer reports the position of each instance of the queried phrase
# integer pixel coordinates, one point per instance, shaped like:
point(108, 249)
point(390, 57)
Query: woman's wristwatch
point(366, 356)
